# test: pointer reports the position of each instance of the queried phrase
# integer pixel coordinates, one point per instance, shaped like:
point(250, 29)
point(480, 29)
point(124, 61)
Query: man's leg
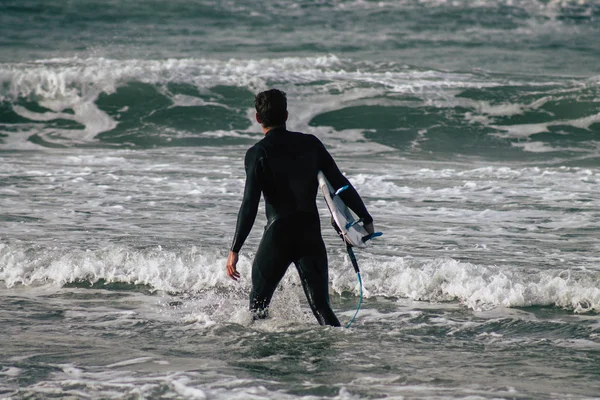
point(270, 264)
point(315, 281)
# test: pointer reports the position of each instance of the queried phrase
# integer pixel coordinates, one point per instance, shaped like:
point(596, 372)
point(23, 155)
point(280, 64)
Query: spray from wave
point(196, 271)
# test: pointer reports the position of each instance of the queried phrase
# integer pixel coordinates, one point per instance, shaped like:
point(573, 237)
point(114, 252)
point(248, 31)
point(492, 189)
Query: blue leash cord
point(354, 262)
point(355, 265)
point(359, 301)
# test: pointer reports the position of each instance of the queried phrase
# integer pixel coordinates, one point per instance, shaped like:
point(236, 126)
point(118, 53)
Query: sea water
point(470, 128)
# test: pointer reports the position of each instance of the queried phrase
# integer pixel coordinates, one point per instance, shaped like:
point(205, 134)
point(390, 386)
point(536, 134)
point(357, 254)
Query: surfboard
point(349, 226)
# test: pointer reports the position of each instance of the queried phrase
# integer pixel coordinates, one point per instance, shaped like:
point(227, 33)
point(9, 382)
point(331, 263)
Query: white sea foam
point(181, 100)
point(526, 130)
point(11, 372)
point(69, 78)
point(477, 287)
point(189, 384)
point(187, 391)
point(163, 270)
point(130, 362)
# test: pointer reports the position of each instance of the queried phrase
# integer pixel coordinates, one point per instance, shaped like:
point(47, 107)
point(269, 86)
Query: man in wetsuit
point(283, 166)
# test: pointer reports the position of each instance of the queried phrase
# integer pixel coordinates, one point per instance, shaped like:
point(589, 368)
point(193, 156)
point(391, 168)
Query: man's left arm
point(350, 196)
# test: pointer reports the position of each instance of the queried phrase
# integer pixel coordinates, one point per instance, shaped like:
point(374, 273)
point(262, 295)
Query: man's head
point(271, 108)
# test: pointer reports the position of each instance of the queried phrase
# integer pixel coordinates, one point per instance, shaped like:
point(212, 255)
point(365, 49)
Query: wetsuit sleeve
point(252, 192)
point(333, 174)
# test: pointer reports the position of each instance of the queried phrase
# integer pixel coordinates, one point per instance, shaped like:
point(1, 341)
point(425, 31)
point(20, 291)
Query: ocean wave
point(388, 106)
point(195, 270)
point(161, 269)
point(482, 287)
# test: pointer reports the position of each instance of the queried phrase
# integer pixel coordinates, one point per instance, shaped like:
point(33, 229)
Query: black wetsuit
point(283, 166)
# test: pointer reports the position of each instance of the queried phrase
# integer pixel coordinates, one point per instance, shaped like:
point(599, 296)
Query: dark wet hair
point(271, 107)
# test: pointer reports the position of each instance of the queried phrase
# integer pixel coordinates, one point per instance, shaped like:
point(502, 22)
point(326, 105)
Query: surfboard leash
point(357, 270)
point(348, 244)
point(355, 265)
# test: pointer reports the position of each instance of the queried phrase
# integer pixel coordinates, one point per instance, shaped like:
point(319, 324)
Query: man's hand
point(231, 263)
point(369, 228)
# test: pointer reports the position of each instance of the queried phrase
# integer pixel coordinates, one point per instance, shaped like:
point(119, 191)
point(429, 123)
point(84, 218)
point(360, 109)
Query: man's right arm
point(350, 196)
point(252, 192)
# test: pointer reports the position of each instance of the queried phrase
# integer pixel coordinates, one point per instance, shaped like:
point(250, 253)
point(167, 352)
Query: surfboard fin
point(371, 236)
point(351, 224)
point(340, 190)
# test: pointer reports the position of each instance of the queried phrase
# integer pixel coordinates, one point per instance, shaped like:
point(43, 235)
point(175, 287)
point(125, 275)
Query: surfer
point(283, 167)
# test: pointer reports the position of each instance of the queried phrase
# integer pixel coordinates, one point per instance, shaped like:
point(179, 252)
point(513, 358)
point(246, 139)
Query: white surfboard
point(351, 229)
